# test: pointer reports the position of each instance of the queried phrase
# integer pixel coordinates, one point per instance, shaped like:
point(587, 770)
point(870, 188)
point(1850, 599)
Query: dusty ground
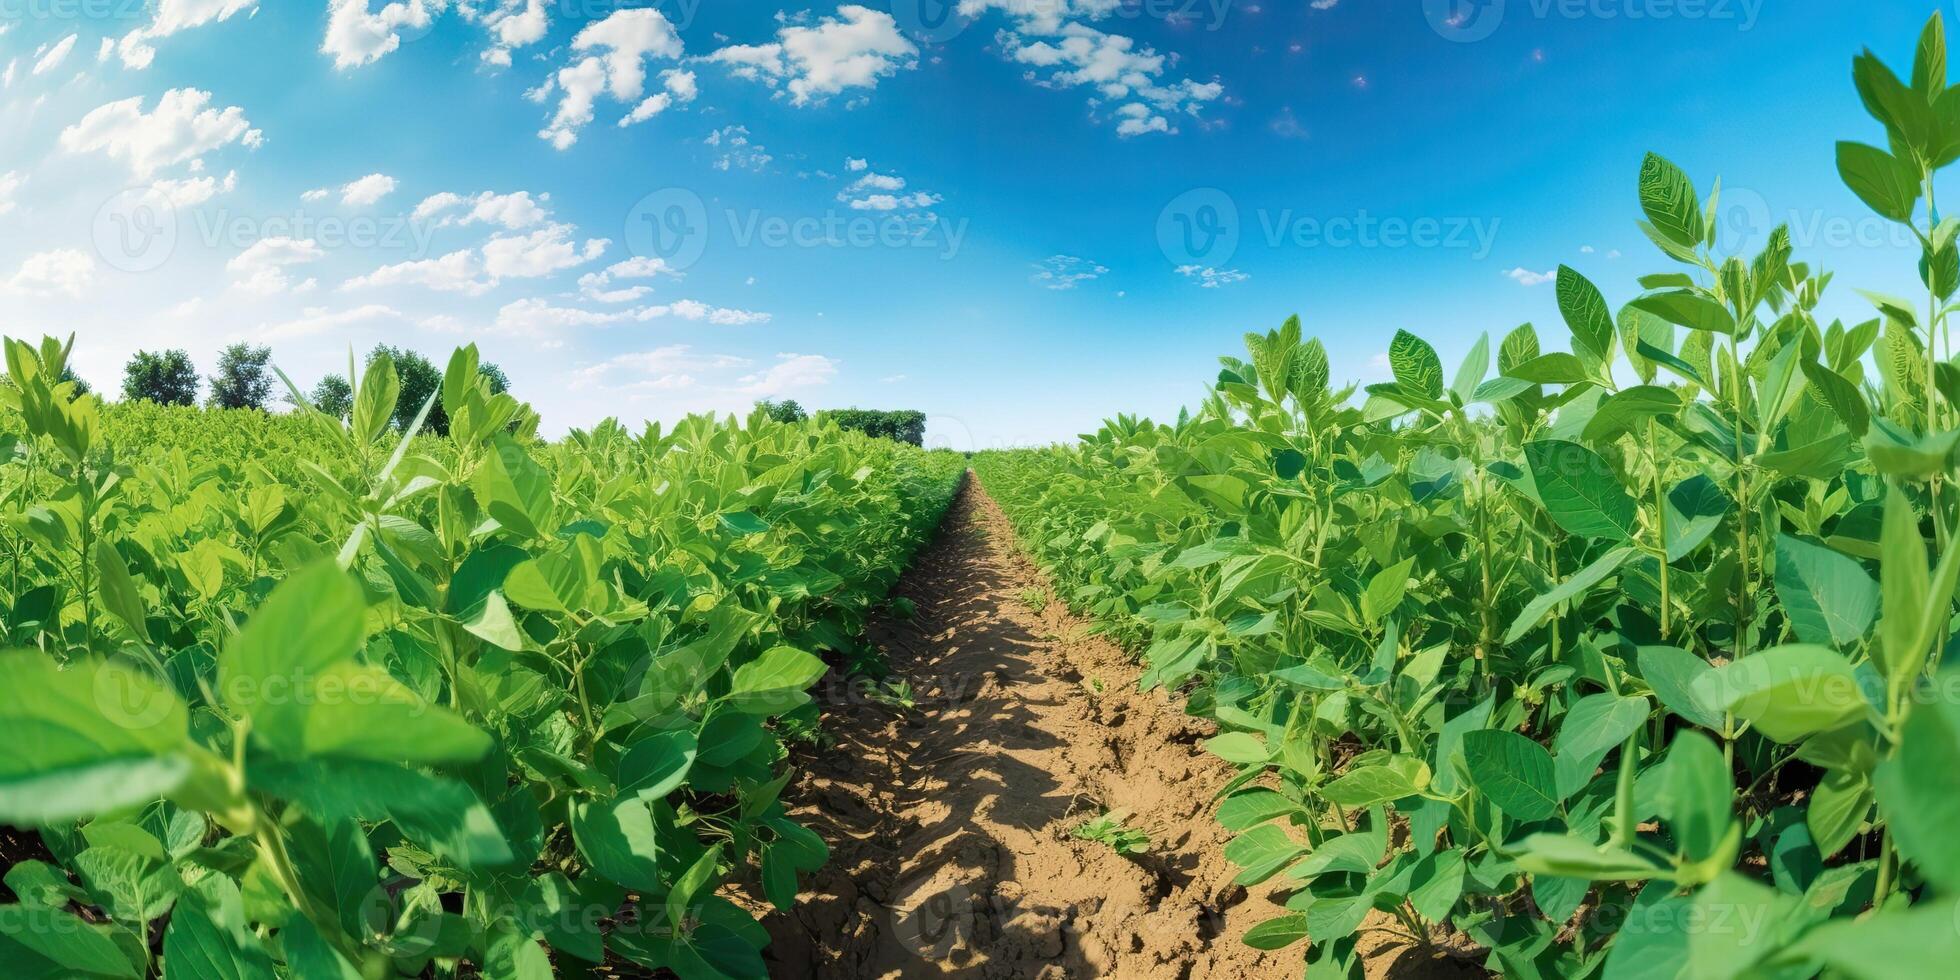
point(949, 822)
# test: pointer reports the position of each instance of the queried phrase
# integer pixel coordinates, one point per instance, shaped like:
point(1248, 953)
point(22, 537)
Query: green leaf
point(515, 490)
point(1687, 308)
point(1668, 199)
point(53, 943)
point(1673, 673)
point(374, 405)
point(1886, 184)
point(198, 944)
point(1470, 374)
point(1556, 368)
point(441, 815)
point(1906, 586)
point(1251, 807)
point(118, 590)
point(690, 883)
point(1580, 490)
point(311, 621)
point(1595, 725)
point(1385, 590)
point(775, 681)
point(1415, 364)
point(1828, 596)
point(1919, 787)
point(1573, 857)
point(1586, 315)
point(1513, 771)
point(1787, 692)
point(91, 739)
point(1696, 794)
point(1366, 786)
point(1579, 585)
point(656, 765)
point(1262, 852)
point(1895, 944)
point(1277, 933)
point(1238, 748)
point(743, 522)
point(1627, 411)
point(357, 711)
point(1652, 944)
point(1843, 397)
point(1695, 508)
point(619, 840)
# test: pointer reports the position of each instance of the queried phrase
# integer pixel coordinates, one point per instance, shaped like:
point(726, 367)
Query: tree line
point(244, 379)
point(903, 425)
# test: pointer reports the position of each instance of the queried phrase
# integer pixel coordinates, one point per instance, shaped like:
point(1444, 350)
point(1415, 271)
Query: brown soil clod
point(951, 852)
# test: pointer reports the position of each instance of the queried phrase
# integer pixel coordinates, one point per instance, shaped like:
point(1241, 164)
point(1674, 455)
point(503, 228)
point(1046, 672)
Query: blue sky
point(1018, 216)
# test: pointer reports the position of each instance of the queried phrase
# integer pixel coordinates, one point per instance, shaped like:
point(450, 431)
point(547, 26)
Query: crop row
point(297, 696)
point(1620, 660)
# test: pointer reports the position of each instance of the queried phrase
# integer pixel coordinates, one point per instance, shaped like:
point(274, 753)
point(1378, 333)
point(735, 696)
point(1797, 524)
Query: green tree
point(899, 426)
point(334, 396)
point(167, 378)
point(243, 379)
point(786, 410)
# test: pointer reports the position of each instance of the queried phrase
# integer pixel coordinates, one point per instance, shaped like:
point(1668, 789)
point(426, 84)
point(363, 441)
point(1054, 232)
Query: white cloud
point(457, 272)
point(7, 77)
point(64, 271)
point(535, 317)
point(880, 182)
point(55, 55)
point(512, 24)
point(855, 164)
point(852, 50)
point(173, 16)
point(1066, 271)
point(513, 211)
point(193, 191)
point(1066, 54)
point(318, 320)
point(1525, 277)
point(595, 285)
point(357, 36)
point(741, 153)
point(367, 190)
point(182, 128)
point(680, 89)
point(660, 367)
point(262, 267)
point(892, 379)
point(540, 253)
point(10, 184)
point(789, 373)
point(1209, 278)
point(878, 192)
point(627, 39)
point(688, 309)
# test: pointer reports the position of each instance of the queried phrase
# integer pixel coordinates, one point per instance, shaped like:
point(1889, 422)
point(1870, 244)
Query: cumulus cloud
point(358, 35)
point(874, 191)
point(182, 128)
point(854, 49)
point(614, 56)
point(262, 267)
point(597, 286)
point(512, 24)
point(193, 191)
point(514, 211)
point(790, 372)
point(474, 272)
point(367, 190)
point(457, 272)
point(172, 16)
point(63, 271)
point(1526, 277)
point(1066, 271)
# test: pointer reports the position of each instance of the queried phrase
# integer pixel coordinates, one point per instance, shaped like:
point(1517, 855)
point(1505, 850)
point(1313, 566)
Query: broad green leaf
point(1673, 673)
point(1470, 374)
point(515, 490)
point(1251, 807)
point(439, 814)
point(1595, 725)
point(1896, 944)
point(1886, 184)
point(1415, 364)
point(619, 840)
point(1365, 786)
point(1688, 308)
point(1277, 933)
point(1586, 315)
point(1696, 795)
point(311, 621)
point(1907, 587)
point(1262, 852)
point(52, 943)
point(656, 765)
point(94, 738)
point(1787, 692)
point(1829, 597)
point(1513, 771)
point(1580, 490)
point(1668, 199)
point(1919, 787)
point(1238, 748)
point(775, 681)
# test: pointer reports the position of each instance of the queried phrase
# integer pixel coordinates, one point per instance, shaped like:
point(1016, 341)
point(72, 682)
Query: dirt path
point(949, 822)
